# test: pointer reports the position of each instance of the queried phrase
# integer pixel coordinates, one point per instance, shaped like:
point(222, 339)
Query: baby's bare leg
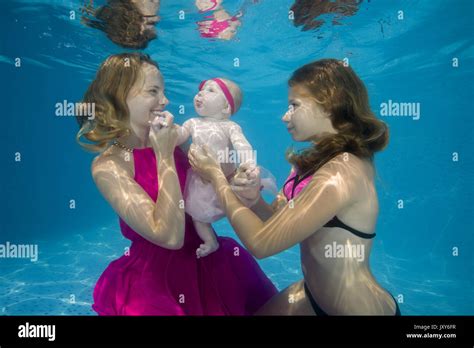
point(206, 233)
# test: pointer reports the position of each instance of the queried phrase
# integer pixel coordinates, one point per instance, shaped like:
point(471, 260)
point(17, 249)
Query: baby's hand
point(163, 119)
point(246, 183)
point(247, 174)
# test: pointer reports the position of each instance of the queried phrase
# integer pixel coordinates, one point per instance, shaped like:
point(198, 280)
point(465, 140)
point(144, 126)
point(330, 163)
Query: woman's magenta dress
point(152, 280)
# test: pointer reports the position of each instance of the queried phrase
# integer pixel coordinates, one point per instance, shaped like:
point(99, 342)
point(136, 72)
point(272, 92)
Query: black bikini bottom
point(319, 312)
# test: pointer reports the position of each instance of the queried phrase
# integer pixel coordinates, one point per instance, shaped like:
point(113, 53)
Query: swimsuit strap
point(297, 180)
point(318, 310)
point(335, 222)
point(397, 308)
point(321, 313)
point(286, 183)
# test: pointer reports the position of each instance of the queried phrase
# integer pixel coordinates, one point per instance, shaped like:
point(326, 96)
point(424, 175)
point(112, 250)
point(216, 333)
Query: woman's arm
point(160, 222)
point(252, 181)
point(262, 209)
point(331, 189)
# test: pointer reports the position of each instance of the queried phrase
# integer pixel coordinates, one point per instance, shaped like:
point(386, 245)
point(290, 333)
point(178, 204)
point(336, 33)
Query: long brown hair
point(121, 21)
point(342, 94)
point(108, 92)
point(308, 13)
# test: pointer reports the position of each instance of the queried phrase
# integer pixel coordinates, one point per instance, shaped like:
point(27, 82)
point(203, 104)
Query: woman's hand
point(246, 183)
point(163, 135)
point(203, 161)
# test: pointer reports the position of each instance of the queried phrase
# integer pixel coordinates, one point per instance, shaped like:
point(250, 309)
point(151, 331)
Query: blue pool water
point(422, 253)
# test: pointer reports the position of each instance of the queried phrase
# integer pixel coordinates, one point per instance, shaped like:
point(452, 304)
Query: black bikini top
point(299, 184)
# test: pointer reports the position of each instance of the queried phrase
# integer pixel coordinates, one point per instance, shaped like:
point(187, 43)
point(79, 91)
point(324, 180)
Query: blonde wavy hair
point(109, 92)
point(343, 95)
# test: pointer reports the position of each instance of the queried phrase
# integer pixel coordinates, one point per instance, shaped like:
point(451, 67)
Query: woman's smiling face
point(147, 96)
point(306, 120)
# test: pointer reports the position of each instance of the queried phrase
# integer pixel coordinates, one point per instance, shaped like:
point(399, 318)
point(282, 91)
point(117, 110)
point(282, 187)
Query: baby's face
point(211, 102)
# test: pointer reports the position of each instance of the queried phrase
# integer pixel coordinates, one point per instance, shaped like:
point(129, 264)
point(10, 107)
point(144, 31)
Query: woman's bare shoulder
point(346, 165)
point(110, 162)
point(346, 172)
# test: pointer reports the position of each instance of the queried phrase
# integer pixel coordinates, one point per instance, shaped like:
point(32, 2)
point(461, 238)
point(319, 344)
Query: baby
point(219, 24)
point(215, 102)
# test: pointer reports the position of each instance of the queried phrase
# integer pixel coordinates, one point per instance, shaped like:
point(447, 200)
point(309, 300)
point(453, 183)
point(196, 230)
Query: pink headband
point(214, 5)
point(224, 89)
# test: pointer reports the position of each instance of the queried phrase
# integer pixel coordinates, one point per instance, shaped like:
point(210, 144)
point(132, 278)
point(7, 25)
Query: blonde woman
point(328, 206)
point(141, 175)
